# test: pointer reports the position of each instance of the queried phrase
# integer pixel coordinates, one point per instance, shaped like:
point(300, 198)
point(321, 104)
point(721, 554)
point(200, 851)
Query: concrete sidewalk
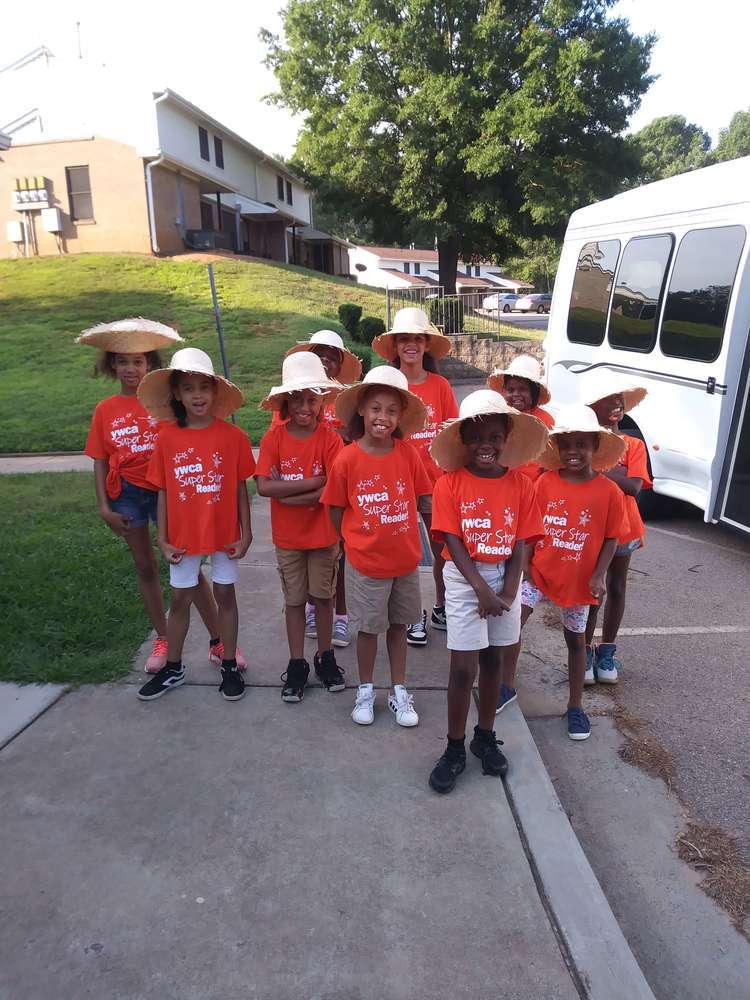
point(197, 849)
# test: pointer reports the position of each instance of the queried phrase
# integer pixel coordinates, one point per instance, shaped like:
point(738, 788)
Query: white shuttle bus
point(655, 284)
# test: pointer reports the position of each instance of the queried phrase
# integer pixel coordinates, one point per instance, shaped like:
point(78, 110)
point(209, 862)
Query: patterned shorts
point(574, 619)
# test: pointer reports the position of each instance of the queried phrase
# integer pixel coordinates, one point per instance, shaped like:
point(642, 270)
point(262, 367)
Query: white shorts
point(184, 574)
point(466, 630)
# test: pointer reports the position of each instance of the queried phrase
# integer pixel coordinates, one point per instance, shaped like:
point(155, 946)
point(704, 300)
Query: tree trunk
point(447, 263)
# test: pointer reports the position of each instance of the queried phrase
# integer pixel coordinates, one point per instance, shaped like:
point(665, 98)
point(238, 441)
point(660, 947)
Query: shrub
point(349, 316)
point(369, 328)
point(364, 354)
point(447, 313)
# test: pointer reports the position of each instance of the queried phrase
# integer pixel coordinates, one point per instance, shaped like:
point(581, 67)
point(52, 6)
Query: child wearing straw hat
point(484, 512)
point(414, 346)
point(295, 460)
point(121, 440)
point(611, 397)
point(582, 512)
point(522, 387)
point(373, 492)
point(200, 466)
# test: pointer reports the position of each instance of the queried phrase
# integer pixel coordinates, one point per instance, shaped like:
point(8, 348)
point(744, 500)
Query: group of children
point(518, 507)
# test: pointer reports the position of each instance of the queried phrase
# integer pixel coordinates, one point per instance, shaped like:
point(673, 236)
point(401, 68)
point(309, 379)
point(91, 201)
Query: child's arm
point(424, 504)
point(513, 569)
point(630, 485)
point(598, 583)
point(303, 499)
point(336, 515)
point(170, 553)
point(280, 489)
point(238, 549)
point(118, 523)
point(490, 603)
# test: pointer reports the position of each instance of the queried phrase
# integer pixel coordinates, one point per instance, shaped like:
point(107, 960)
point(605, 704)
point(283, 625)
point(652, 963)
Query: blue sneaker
point(507, 695)
point(589, 678)
point(605, 663)
point(579, 727)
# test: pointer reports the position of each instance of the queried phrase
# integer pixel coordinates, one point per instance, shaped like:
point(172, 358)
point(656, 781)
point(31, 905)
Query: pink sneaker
point(216, 655)
point(158, 656)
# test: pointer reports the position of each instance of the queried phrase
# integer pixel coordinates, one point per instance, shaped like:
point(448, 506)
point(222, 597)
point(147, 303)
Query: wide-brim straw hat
point(412, 320)
point(524, 366)
point(298, 373)
point(155, 391)
point(526, 439)
point(577, 418)
point(130, 336)
point(604, 383)
point(414, 415)
point(351, 366)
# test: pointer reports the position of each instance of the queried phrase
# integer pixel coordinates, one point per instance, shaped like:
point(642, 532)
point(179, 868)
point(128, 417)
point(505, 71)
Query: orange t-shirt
point(125, 434)
point(635, 463)
point(577, 518)
point(327, 417)
point(437, 395)
point(200, 470)
point(379, 496)
point(532, 469)
point(295, 458)
point(488, 515)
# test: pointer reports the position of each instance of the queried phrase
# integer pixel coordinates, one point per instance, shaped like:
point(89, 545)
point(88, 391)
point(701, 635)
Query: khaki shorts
point(308, 571)
point(466, 630)
point(373, 604)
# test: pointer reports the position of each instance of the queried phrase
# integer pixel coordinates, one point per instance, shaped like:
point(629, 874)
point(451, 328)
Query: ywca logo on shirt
point(196, 476)
point(291, 469)
point(477, 527)
point(127, 432)
point(373, 499)
point(562, 535)
point(431, 427)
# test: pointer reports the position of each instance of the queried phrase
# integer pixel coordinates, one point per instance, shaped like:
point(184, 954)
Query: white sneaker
point(341, 636)
point(311, 627)
point(588, 677)
point(401, 703)
point(363, 712)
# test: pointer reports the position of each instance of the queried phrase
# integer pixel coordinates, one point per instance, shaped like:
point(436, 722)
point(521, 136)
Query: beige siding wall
point(117, 191)
point(166, 186)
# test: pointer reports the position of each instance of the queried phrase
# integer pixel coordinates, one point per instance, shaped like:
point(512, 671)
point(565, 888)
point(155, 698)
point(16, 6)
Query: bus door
point(736, 506)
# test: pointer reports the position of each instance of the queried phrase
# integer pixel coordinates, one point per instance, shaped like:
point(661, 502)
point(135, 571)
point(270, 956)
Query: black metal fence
point(481, 312)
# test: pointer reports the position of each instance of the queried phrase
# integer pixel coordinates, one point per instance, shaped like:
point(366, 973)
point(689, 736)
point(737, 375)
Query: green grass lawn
point(69, 600)
point(47, 393)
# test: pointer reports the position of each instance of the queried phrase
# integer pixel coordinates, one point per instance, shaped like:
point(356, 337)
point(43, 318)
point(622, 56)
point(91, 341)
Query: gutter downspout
point(150, 186)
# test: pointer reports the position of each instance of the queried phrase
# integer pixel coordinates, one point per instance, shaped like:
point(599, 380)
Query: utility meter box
point(52, 220)
point(14, 231)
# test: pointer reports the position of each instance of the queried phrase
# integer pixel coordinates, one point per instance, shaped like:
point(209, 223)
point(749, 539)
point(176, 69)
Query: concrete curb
point(599, 957)
point(22, 704)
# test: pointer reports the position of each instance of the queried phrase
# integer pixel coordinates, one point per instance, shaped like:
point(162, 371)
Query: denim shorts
point(136, 503)
point(628, 548)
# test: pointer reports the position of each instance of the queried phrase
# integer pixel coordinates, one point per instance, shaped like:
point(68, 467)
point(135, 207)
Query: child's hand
point(171, 553)
point(238, 549)
point(598, 587)
point(490, 603)
point(118, 523)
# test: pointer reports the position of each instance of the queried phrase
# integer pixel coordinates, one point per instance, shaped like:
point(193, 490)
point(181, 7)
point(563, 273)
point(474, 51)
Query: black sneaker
point(486, 747)
point(329, 673)
point(437, 618)
point(416, 634)
point(232, 685)
point(165, 680)
point(447, 769)
point(294, 680)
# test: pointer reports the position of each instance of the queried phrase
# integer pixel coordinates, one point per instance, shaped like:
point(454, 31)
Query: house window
point(79, 194)
point(468, 270)
point(477, 269)
point(592, 286)
point(417, 269)
point(407, 268)
point(219, 152)
point(279, 187)
point(636, 302)
point(203, 143)
point(207, 216)
point(289, 192)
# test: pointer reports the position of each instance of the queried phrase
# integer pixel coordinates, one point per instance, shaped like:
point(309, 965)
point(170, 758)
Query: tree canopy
point(734, 140)
point(667, 146)
point(472, 122)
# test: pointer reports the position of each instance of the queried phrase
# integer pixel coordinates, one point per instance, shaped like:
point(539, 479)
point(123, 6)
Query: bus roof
point(710, 187)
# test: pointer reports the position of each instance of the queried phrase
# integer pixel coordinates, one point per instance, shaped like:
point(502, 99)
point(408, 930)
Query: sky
point(210, 53)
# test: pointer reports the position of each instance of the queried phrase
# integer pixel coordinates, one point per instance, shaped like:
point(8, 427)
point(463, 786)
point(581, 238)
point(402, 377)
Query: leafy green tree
point(734, 141)
point(466, 120)
point(535, 261)
point(667, 146)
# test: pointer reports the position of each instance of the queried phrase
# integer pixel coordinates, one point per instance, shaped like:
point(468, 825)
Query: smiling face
point(331, 359)
point(196, 393)
point(518, 393)
point(130, 369)
point(303, 408)
point(485, 439)
point(410, 347)
point(381, 411)
point(577, 449)
point(610, 410)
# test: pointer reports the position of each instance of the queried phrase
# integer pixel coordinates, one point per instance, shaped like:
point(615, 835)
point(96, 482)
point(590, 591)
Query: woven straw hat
point(603, 383)
point(414, 415)
point(527, 437)
point(156, 394)
point(412, 320)
point(299, 372)
point(130, 336)
point(523, 366)
point(351, 366)
point(577, 418)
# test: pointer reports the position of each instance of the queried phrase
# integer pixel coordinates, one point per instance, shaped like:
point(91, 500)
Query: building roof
point(465, 279)
point(410, 279)
point(313, 235)
point(397, 253)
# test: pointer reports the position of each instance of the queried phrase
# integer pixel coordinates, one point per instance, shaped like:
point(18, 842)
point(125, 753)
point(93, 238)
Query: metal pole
point(219, 329)
point(387, 308)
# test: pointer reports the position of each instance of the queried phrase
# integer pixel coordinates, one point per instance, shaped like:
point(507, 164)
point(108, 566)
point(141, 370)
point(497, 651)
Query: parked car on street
point(500, 302)
point(538, 303)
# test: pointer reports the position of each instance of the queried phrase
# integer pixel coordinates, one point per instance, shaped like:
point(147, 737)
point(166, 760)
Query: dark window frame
point(203, 144)
point(477, 270)
point(289, 195)
point(607, 305)
point(407, 268)
point(219, 152)
point(659, 301)
point(417, 268)
point(279, 187)
point(79, 192)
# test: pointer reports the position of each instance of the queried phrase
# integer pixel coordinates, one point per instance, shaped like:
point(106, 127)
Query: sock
point(214, 642)
point(456, 744)
point(438, 607)
point(229, 664)
point(174, 664)
point(309, 609)
point(368, 686)
point(342, 618)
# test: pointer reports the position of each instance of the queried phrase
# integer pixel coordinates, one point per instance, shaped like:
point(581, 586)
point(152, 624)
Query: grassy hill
point(47, 393)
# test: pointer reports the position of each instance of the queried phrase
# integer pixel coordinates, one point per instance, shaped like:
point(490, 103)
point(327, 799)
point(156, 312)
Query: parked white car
point(500, 302)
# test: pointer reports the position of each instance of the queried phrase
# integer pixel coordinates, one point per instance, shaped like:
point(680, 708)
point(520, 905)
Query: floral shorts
point(574, 618)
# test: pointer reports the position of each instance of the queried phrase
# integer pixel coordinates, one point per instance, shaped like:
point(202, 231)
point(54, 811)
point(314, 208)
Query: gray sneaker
point(341, 635)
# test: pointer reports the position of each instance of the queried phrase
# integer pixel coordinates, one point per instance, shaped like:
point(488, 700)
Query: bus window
point(637, 296)
point(698, 296)
point(587, 316)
